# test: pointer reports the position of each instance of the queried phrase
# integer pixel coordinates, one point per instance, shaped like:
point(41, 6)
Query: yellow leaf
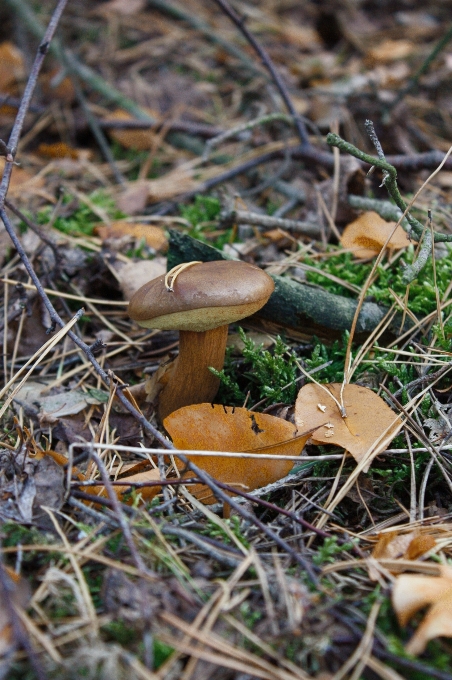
point(212, 427)
point(366, 236)
point(368, 417)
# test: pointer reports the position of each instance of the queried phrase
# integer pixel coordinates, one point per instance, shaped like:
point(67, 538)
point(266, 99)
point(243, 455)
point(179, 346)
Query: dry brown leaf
point(55, 87)
point(411, 593)
point(390, 50)
point(366, 235)
point(11, 66)
point(212, 427)
point(149, 475)
point(21, 180)
point(408, 546)
point(142, 191)
point(60, 150)
point(146, 492)
point(133, 275)
point(19, 593)
point(178, 181)
point(368, 417)
point(153, 236)
point(141, 140)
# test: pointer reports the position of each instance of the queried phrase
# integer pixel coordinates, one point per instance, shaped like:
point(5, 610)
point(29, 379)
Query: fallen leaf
point(368, 417)
point(212, 427)
point(133, 275)
point(141, 140)
point(19, 595)
point(390, 50)
point(175, 183)
point(21, 180)
point(407, 546)
point(366, 236)
point(149, 475)
point(153, 236)
point(60, 150)
point(411, 593)
point(57, 88)
point(134, 198)
point(27, 483)
point(11, 66)
point(55, 406)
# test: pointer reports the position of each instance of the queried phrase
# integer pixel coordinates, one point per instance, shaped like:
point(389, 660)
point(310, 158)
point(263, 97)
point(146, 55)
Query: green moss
point(202, 213)
point(267, 374)
point(422, 295)
point(161, 653)
point(82, 220)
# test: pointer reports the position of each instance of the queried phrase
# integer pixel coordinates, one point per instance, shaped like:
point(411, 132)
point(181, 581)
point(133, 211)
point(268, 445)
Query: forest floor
point(294, 136)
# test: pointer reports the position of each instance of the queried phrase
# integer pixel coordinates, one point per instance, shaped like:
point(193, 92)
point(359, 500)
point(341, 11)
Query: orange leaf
point(409, 546)
point(141, 140)
point(366, 236)
point(419, 546)
point(58, 150)
point(368, 417)
point(11, 65)
point(147, 492)
point(212, 427)
point(153, 236)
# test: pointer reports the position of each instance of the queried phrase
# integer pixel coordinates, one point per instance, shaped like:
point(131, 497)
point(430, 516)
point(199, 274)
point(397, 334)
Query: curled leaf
point(212, 427)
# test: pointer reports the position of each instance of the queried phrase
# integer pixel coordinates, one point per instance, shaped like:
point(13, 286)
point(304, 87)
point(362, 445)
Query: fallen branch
point(304, 308)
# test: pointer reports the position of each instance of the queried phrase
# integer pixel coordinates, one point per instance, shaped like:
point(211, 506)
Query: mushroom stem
point(190, 381)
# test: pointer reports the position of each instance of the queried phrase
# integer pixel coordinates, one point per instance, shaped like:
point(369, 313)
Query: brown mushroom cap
point(206, 295)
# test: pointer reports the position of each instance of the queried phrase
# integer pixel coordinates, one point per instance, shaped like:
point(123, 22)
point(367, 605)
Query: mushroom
point(199, 299)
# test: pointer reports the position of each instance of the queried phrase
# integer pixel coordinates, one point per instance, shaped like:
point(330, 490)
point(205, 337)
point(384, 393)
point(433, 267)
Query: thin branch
point(269, 65)
point(122, 520)
point(390, 182)
point(26, 98)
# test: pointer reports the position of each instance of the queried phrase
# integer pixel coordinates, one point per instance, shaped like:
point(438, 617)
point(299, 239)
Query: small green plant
point(162, 652)
point(215, 531)
point(269, 375)
point(332, 357)
point(444, 334)
point(201, 214)
point(328, 552)
point(82, 221)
